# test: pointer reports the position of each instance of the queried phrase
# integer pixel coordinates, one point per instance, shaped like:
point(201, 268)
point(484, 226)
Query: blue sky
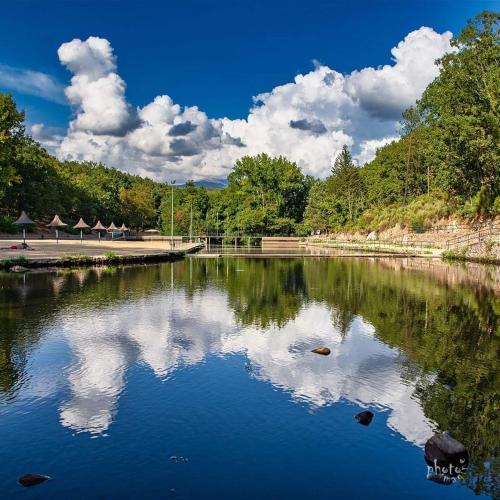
point(213, 54)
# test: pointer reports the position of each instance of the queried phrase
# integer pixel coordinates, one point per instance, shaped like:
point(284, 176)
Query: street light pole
point(191, 225)
point(217, 216)
point(172, 217)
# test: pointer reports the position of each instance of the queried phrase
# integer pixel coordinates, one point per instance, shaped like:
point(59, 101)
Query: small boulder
point(364, 418)
point(18, 269)
point(32, 479)
point(444, 451)
point(324, 351)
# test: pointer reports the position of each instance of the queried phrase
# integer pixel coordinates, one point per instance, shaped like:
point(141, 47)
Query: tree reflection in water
point(419, 343)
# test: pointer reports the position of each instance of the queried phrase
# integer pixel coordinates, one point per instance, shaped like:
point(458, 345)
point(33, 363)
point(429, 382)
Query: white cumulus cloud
point(307, 120)
point(96, 91)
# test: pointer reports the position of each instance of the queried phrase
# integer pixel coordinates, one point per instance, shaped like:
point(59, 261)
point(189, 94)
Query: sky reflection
point(169, 330)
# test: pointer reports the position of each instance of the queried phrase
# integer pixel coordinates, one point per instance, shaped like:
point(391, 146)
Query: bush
point(420, 214)
point(496, 207)
point(7, 225)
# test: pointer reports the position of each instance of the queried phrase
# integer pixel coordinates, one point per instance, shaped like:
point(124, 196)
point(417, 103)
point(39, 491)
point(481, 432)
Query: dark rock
point(444, 451)
point(364, 418)
point(32, 479)
point(322, 350)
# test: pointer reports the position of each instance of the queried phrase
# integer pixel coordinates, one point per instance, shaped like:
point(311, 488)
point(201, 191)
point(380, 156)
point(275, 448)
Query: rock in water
point(18, 269)
point(32, 479)
point(444, 451)
point(364, 418)
point(322, 350)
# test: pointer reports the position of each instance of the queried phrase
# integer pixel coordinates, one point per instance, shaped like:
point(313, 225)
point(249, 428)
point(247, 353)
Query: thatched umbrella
point(57, 223)
point(112, 229)
point(81, 225)
point(99, 227)
point(124, 229)
point(24, 220)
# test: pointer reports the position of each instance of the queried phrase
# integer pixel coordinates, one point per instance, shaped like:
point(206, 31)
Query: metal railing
point(379, 244)
point(476, 237)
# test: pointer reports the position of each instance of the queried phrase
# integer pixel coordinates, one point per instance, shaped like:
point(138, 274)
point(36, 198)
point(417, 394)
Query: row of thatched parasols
point(57, 223)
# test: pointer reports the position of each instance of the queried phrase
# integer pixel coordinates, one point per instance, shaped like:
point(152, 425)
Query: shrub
point(7, 225)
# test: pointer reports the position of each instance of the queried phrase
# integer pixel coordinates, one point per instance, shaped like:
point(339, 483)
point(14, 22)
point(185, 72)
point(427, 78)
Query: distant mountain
point(211, 184)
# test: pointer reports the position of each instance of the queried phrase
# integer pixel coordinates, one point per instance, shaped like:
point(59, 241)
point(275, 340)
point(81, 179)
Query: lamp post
point(191, 225)
point(217, 223)
point(172, 217)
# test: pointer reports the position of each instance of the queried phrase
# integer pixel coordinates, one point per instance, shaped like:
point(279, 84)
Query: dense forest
point(446, 161)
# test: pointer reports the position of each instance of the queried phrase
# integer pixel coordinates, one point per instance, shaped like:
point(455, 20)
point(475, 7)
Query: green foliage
point(264, 196)
point(462, 105)
point(346, 186)
point(11, 131)
point(421, 213)
point(191, 205)
point(452, 255)
point(7, 226)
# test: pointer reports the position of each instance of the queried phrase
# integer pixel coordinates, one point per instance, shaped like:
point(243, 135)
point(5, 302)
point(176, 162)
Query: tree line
point(447, 160)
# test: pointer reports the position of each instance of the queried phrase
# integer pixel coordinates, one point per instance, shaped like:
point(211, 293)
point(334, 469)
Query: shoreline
point(67, 254)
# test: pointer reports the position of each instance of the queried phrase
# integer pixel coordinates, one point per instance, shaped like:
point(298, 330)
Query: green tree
point(346, 185)
point(265, 195)
point(462, 105)
point(191, 205)
point(139, 204)
point(11, 132)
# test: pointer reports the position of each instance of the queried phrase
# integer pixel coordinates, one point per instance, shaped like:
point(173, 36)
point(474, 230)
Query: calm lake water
point(105, 374)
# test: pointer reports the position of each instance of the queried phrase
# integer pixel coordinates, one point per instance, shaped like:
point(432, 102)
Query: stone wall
point(486, 249)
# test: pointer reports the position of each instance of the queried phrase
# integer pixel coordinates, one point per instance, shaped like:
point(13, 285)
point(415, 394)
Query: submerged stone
point(18, 269)
point(322, 350)
point(443, 451)
point(32, 479)
point(364, 418)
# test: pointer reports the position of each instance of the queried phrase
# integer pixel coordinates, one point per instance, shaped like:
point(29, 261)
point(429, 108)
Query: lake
point(195, 379)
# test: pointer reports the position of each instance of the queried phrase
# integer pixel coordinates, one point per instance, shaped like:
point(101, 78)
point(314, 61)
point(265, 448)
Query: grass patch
point(451, 255)
point(17, 261)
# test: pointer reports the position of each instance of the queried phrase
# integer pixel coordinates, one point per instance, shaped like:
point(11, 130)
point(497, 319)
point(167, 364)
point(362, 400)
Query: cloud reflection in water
point(166, 331)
